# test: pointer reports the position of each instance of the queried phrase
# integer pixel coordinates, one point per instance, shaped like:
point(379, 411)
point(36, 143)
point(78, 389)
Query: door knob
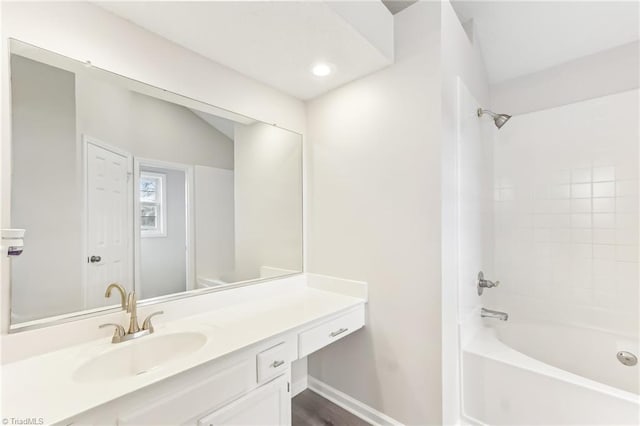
point(95, 259)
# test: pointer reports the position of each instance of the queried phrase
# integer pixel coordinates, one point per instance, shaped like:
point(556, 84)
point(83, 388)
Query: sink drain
point(627, 358)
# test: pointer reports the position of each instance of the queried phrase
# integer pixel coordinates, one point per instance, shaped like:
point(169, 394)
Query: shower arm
point(481, 112)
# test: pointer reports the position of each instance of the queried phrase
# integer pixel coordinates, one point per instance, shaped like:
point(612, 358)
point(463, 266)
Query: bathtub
point(525, 373)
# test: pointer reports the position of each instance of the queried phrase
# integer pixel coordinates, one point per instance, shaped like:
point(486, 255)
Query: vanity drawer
point(272, 362)
point(315, 338)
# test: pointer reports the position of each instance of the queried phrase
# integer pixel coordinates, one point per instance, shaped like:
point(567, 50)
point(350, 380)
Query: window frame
point(160, 229)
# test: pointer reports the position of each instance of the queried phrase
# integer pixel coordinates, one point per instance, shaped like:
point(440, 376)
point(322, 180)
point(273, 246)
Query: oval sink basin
point(138, 356)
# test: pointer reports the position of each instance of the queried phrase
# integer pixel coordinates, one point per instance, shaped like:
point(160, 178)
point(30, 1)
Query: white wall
point(163, 261)
point(567, 214)
point(86, 32)
point(467, 234)
point(475, 204)
point(611, 71)
point(47, 277)
point(475, 243)
point(268, 199)
point(375, 216)
point(148, 127)
point(214, 222)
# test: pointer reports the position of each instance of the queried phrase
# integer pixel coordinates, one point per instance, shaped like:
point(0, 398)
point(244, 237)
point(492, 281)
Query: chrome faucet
point(488, 313)
point(130, 304)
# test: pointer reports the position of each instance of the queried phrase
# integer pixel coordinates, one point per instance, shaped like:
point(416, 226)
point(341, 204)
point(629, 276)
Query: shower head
point(498, 119)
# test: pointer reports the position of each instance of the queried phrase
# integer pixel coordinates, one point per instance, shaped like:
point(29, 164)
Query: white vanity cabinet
point(181, 406)
point(249, 386)
point(210, 392)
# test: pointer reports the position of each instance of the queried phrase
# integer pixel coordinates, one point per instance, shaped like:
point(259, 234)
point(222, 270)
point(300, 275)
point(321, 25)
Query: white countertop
point(42, 386)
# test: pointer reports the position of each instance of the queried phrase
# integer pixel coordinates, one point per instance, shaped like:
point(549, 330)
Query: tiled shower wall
point(566, 214)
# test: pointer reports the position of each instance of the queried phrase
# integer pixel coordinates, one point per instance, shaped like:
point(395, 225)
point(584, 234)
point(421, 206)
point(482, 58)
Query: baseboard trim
point(352, 405)
point(298, 386)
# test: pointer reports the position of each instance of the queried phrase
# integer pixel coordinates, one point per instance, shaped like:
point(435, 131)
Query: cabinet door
point(192, 399)
point(268, 405)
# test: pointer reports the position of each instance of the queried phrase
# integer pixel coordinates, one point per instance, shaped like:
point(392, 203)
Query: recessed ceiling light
point(321, 69)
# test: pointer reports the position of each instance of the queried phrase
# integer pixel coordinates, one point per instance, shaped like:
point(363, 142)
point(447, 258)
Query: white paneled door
point(108, 172)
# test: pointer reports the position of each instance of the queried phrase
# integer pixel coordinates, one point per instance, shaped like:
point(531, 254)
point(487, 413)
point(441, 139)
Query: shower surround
point(566, 214)
point(565, 227)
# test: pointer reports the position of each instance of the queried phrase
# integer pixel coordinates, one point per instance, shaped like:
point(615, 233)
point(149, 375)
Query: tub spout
point(488, 313)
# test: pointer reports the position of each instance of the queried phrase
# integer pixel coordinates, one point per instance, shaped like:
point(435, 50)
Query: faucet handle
point(146, 324)
point(118, 333)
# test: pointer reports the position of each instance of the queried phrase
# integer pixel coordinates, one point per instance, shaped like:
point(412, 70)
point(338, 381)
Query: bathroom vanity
point(227, 365)
point(192, 210)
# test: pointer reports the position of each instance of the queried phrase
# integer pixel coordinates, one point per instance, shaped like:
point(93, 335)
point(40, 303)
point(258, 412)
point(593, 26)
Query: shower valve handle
point(489, 284)
point(482, 283)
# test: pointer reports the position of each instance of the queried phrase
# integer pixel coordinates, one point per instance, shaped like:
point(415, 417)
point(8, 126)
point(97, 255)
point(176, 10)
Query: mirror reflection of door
point(162, 204)
point(108, 177)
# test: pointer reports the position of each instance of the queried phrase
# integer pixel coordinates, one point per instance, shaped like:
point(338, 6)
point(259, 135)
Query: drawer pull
point(277, 364)
point(338, 332)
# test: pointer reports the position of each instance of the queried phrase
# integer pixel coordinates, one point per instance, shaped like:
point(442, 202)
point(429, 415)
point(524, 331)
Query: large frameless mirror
point(118, 181)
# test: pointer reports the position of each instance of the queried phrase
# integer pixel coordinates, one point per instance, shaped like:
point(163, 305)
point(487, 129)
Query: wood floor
point(310, 409)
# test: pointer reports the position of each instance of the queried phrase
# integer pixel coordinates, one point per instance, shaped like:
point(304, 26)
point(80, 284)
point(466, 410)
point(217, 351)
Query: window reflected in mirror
point(152, 203)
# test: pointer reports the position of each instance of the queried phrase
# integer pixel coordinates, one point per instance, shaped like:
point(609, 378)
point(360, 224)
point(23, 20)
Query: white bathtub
point(549, 374)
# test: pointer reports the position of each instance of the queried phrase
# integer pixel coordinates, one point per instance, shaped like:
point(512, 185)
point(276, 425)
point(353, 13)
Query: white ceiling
point(275, 42)
point(521, 37)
